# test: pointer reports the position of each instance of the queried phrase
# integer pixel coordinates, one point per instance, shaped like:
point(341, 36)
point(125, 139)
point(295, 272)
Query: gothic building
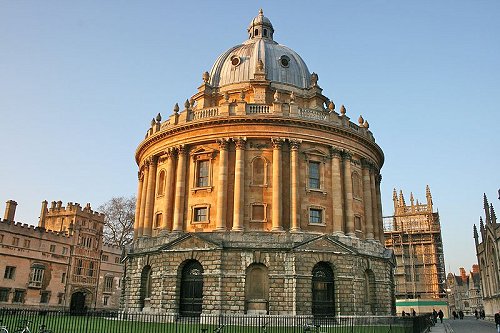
point(60, 264)
point(464, 291)
point(488, 256)
point(414, 234)
point(259, 197)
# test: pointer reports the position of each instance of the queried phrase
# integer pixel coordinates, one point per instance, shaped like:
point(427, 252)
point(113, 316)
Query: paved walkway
point(441, 328)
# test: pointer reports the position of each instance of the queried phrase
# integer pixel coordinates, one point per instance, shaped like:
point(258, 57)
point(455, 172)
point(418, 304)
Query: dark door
point(322, 291)
point(77, 303)
point(191, 290)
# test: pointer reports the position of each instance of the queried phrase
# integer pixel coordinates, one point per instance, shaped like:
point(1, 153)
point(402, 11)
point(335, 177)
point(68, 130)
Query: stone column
point(180, 189)
point(140, 180)
point(349, 215)
point(367, 198)
point(338, 214)
point(239, 185)
point(150, 197)
point(169, 190)
point(220, 221)
point(144, 190)
point(376, 229)
point(294, 190)
point(378, 217)
point(276, 189)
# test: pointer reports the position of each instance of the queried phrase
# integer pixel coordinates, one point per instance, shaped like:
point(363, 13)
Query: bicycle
point(24, 328)
point(3, 328)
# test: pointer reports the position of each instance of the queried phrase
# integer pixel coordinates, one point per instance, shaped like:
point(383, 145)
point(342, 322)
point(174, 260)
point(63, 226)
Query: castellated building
point(488, 257)
point(60, 264)
point(414, 234)
point(259, 197)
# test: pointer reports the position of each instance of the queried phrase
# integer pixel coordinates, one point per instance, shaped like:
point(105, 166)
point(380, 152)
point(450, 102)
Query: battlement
point(29, 230)
point(56, 207)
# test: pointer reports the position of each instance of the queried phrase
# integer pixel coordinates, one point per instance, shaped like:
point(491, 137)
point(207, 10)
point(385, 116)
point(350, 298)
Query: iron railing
point(139, 322)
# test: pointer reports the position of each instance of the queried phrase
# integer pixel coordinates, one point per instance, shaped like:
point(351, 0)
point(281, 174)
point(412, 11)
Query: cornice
point(271, 120)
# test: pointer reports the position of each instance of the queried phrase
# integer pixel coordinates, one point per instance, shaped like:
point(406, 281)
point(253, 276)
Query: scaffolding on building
point(414, 234)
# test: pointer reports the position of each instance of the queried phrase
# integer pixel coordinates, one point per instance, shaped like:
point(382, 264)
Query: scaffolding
point(414, 234)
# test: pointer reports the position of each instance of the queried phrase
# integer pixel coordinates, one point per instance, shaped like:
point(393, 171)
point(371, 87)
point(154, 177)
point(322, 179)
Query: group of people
point(479, 314)
point(436, 314)
point(459, 314)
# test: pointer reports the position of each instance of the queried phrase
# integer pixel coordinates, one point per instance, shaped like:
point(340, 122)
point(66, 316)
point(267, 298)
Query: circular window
point(235, 60)
point(284, 61)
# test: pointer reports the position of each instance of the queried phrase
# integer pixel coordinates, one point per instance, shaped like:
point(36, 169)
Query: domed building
point(258, 197)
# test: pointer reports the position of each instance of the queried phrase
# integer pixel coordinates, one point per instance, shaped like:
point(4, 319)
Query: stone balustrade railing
point(246, 109)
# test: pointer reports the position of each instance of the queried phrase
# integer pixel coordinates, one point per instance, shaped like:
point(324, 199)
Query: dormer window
point(284, 61)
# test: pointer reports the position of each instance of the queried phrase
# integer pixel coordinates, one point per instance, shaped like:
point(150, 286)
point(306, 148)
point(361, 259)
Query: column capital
point(295, 144)
point(223, 143)
point(346, 154)
point(335, 151)
point(240, 143)
point(366, 163)
point(181, 149)
point(277, 143)
point(378, 178)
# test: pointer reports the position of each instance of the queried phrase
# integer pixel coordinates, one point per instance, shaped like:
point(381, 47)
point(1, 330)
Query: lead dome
point(239, 63)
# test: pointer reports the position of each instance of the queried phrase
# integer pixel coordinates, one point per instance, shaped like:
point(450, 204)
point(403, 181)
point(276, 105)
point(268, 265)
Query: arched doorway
point(145, 291)
point(77, 304)
point(257, 289)
point(323, 300)
point(191, 299)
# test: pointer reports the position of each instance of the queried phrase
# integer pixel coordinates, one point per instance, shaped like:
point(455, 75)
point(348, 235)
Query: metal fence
point(121, 322)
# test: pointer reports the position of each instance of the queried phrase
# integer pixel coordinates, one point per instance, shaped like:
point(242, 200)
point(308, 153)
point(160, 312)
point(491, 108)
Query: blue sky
point(81, 80)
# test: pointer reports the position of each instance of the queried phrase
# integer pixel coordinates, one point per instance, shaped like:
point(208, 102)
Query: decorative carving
point(295, 144)
point(361, 121)
point(346, 154)
point(342, 110)
point(277, 143)
point(182, 149)
point(206, 77)
point(259, 145)
point(276, 96)
point(226, 96)
point(158, 117)
point(292, 98)
point(260, 65)
point(314, 79)
point(186, 104)
point(223, 143)
point(153, 122)
point(366, 125)
point(331, 106)
point(242, 95)
point(378, 178)
point(240, 143)
point(176, 108)
point(335, 151)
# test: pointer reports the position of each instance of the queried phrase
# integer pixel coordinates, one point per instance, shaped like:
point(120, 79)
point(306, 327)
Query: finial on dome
point(260, 27)
point(361, 121)
point(314, 79)
point(176, 108)
point(158, 117)
point(331, 106)
point(261, 12)
point(342, 110)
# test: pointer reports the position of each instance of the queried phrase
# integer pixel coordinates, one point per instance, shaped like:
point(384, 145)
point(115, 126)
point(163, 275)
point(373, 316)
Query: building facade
point(259, 197)
point(464, 291)
point(62, 263)
point(414, 234)
point(488, 255)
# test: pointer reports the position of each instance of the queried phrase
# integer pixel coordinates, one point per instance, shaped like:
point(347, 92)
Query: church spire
point(486, 207)
point(476, 236)
point(429, 197)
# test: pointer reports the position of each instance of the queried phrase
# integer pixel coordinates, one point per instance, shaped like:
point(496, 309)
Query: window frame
point(357, 191)
point(4, 292)
point(37, 273)
point(198, 156)
point(319, 209)
point(108, 284)
point(9, 273)
point(195, 208)
point(265, 171)
point(19, 293)
point(318, 157)
point(264, 205)
point(160, 187)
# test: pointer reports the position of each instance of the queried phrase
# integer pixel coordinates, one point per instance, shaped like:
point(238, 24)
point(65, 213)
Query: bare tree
point(119, 220)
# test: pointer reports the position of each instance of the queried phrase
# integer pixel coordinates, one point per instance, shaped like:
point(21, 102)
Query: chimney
point(43, 213)
point(463, 274)
point(10, 210)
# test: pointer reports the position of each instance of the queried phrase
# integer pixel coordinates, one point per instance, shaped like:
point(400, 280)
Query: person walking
point(497, 321)
point(440, 315)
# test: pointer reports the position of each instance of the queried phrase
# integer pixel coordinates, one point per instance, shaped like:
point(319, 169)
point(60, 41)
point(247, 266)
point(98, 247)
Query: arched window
point(369, 292)
point(323, 298)
point(257, 289)
point(161, 183)
point(191, 300)
point(356, 185)
point(259, 173)
point(256, 32)
point(145, 291)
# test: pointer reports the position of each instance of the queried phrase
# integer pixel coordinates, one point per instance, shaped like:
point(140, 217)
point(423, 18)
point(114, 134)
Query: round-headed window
point(235, 60)
point(284, 61)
